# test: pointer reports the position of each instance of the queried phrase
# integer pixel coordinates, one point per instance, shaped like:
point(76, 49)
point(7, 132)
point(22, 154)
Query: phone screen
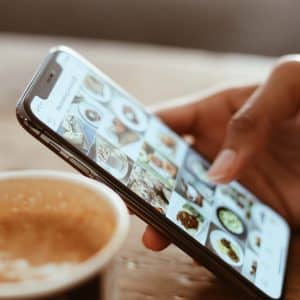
point(105, 123)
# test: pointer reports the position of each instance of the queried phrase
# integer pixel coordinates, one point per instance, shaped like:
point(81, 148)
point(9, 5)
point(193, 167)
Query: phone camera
point(50, 76)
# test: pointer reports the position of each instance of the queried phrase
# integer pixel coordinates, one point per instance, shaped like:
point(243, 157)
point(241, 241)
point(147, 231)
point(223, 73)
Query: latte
point(48, 227)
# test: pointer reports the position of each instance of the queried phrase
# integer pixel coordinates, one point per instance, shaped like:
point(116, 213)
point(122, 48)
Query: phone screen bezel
point(169, 229)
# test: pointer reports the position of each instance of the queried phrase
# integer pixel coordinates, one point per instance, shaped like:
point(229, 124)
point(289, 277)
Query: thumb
point(249, 129)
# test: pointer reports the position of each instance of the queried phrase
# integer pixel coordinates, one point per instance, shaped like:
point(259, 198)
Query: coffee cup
point(59, 234)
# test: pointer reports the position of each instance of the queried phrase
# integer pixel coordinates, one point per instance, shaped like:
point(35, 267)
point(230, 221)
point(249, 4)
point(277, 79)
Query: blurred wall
point(254, 26)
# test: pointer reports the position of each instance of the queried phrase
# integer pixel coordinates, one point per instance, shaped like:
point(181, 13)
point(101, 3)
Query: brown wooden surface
point(151, 74)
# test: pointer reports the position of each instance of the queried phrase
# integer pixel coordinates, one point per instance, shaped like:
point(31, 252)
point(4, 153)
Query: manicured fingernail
point(222, 165)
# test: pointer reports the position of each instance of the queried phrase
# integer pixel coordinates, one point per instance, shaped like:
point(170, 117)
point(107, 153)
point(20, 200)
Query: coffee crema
point(48, 226)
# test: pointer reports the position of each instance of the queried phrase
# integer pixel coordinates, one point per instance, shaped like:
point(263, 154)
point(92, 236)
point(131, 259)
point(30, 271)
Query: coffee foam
point(14, 270)
point(49, 227)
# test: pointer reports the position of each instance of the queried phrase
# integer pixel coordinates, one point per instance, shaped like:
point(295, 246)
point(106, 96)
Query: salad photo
point(231, 221)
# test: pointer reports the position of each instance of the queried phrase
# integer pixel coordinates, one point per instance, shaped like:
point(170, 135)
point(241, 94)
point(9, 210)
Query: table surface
point(153, 74)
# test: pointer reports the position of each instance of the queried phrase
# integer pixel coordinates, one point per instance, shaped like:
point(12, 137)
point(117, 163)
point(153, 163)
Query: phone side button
point(79, 166)
point(54, 147)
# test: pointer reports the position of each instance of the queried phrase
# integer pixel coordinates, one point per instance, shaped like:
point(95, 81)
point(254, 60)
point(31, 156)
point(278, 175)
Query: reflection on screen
point(136, 148)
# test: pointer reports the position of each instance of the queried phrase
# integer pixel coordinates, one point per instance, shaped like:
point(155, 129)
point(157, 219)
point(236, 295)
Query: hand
point(252, 134)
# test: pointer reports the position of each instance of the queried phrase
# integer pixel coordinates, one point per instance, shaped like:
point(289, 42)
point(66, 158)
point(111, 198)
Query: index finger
point(153, 240)
point(181, 115)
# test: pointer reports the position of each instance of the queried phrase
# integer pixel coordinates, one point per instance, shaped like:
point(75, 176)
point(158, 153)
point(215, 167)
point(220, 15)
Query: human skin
point(251, 133)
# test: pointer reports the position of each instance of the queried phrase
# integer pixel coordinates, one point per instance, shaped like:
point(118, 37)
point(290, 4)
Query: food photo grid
point(152, 161)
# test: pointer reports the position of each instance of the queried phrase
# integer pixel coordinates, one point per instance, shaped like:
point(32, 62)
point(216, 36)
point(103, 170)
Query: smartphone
point(97, 127)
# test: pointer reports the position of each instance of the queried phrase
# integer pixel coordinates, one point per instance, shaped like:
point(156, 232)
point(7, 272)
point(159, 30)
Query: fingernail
point(222, 165)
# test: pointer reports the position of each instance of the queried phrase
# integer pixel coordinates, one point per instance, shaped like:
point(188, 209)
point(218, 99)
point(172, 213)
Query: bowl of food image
point(227, 248)
point(96, 89)
point(190, 219)
point(131, 115)
point(93, 114)
point(231, 221)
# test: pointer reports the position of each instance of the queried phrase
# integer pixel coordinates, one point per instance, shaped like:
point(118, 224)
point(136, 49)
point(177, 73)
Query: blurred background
point(268, 27)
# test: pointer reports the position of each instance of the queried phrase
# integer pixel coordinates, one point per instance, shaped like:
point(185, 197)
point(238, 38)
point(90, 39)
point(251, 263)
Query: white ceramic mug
point(94, 274)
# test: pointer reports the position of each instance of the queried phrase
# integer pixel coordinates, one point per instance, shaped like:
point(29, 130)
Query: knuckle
point(286, 73)
point(288, 65)
point(242, 124)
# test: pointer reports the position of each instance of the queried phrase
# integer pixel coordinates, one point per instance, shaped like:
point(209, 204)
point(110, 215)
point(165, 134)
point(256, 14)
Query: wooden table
point(152, 74)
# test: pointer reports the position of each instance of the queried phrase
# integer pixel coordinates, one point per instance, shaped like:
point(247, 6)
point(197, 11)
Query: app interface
point(101, 120)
